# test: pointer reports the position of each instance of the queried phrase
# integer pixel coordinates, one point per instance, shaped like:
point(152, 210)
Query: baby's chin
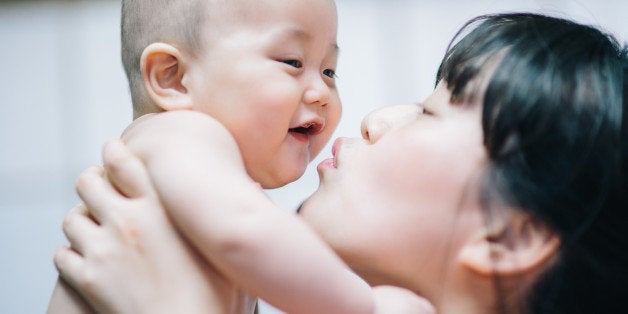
point(277, 180)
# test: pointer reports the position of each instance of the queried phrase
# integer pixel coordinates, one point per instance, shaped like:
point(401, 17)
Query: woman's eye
point(294, 63)
point(424, 111)
point(329, 72)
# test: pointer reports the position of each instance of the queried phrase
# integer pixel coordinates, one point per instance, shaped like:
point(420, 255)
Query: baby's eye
point(329, 72)
point(294, 63)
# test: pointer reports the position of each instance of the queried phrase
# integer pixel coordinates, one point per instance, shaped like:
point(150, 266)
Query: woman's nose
point(380, 121)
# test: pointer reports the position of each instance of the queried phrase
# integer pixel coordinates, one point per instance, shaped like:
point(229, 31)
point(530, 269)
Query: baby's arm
point(198, 172)
point(390, 299)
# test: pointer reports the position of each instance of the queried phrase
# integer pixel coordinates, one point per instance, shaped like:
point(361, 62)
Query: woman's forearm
point(65, 300)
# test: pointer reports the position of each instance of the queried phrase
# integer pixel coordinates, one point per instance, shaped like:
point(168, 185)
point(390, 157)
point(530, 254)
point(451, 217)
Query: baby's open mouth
point(309, 128)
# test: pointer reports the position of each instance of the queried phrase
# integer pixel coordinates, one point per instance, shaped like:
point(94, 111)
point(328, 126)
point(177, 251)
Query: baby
point(263, 69)
point(220, 85)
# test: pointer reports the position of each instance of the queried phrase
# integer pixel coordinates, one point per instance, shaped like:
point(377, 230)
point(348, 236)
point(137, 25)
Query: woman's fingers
point(79, 228)
point(97, 193)
point(69, 264)
point(125, 171)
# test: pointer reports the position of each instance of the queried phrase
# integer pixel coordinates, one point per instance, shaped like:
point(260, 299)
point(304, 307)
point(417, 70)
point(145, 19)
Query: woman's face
point(397, 204)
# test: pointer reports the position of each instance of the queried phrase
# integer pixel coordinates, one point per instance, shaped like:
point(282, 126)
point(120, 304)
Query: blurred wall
point(63, 93)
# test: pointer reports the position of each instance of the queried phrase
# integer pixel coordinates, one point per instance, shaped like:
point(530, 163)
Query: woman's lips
point(332, 162)
point(327, 163)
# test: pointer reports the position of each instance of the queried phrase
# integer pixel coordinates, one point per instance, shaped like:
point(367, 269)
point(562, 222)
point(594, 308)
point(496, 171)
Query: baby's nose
point(317, 93)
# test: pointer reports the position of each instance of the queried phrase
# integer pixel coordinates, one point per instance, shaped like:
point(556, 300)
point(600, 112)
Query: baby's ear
point(513, 246)
point(163, 71)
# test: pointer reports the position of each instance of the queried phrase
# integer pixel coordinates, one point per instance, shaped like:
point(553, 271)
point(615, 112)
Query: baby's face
point(267, 73)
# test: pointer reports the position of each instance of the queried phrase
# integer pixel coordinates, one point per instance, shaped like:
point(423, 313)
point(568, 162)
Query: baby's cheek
point(334, 114)
point(315, 149)
point(319, 142)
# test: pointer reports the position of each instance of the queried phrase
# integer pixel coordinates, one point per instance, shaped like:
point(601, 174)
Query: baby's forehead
point(288, 20)
point(255, 12)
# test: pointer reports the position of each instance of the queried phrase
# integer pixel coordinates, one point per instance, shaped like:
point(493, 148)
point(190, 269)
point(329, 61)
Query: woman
point(504, 191)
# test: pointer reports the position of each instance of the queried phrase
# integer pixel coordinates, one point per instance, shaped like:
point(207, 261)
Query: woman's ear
point(513, 246)
point(163, 71)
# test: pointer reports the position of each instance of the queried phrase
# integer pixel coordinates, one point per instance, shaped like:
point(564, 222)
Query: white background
point(63, 93)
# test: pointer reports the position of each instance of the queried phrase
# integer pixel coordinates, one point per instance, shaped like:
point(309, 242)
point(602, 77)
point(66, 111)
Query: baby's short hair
point(176, 22)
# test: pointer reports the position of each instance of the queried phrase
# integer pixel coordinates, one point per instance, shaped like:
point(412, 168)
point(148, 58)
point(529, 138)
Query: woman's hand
point(125, 256)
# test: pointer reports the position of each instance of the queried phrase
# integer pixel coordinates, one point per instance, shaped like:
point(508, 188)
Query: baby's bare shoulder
point(181, 129)
point(181, 120)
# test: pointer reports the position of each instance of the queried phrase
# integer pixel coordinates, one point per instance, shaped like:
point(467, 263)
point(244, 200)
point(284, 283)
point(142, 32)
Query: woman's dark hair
point(554, 123)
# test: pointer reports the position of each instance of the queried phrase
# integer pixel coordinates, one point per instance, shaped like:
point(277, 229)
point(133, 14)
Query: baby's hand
point(390, 299)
